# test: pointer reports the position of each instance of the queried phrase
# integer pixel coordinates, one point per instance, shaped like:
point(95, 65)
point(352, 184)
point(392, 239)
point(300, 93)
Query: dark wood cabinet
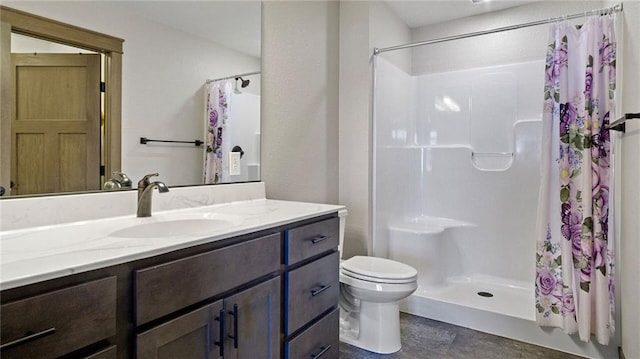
point(312, 288)
point(319, 341)
point(108, 353)
point(194, 335)
point(244, 325)
point(58, 322)
point(312, 239)
point(254, 322)
point(223, 299)
point(311, 291)
point(202, 276)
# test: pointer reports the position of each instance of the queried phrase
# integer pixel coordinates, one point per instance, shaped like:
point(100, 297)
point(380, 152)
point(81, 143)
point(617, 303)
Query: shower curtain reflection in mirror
point(232, 124)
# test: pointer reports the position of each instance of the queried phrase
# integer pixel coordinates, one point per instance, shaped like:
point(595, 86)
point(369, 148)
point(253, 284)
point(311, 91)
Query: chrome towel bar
point(144, 140)
point(619, 124)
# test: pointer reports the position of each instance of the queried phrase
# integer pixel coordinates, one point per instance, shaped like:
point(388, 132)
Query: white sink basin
point(177, 225)
point(118, 233)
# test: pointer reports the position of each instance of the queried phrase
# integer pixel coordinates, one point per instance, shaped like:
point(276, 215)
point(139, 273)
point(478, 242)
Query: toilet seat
point(376, 292)
point(373, 279)
point(378, 270)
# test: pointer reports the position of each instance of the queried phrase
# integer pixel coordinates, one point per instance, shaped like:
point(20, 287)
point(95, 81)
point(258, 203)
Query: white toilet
point(370, 289)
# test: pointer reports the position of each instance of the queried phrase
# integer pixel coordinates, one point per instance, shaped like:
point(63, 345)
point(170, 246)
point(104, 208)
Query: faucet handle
point(145, 180)
point(122, 178)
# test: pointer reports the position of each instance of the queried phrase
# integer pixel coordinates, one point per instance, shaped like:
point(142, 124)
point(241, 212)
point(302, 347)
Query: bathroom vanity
point(262, 285)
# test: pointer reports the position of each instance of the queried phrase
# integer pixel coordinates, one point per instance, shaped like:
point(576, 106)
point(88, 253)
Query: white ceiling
point(236, 24)
point(426, 12)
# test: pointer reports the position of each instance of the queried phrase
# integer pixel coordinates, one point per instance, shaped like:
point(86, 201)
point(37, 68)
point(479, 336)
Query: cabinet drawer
point(311, 290)
point(163, 289)
point(307, 241)
point(108, 353)
point(55, 323)
point(319, 341)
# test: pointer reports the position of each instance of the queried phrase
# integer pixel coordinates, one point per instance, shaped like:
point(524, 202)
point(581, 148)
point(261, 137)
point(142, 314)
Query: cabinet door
point(194, 335)
point(254, 322)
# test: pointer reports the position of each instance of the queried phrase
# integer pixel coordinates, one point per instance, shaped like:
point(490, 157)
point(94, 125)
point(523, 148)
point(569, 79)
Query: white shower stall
point(457, 177)
point(455, 193)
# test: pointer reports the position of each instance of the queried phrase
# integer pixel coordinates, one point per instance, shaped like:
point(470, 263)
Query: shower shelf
point(491, 154)
point(388, 147)
point(426, 225)
point(492, 161)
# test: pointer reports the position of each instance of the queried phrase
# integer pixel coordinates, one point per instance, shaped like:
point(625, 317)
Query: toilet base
point(379, 328)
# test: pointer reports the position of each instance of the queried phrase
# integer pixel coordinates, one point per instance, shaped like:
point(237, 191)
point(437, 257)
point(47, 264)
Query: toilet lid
point(378, 268)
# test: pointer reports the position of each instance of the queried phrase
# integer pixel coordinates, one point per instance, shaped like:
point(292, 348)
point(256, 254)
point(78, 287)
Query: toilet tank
point(342, 214)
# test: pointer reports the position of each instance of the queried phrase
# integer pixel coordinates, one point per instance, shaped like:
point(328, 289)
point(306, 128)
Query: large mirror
point(183, 64)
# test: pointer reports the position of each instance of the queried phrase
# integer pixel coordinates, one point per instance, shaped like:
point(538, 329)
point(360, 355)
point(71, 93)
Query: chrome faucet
point(145, 189)
point(118, 181)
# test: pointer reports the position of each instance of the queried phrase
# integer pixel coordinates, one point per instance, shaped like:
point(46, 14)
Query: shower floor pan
point(509, 312)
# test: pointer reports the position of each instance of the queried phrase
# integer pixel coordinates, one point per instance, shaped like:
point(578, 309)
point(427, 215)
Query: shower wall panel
point(395, 132)
point(244, 131)
point(449, 118)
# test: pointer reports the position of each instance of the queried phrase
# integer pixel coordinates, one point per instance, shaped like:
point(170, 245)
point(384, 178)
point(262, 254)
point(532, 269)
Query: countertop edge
point(72, 269)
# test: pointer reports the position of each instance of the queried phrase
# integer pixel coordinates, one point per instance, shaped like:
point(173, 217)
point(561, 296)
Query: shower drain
point(485, 294)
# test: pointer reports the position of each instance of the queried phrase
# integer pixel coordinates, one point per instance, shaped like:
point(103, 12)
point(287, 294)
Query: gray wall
point(363, 26)
point(355, 130)
point(315, 68)
point(300, 100)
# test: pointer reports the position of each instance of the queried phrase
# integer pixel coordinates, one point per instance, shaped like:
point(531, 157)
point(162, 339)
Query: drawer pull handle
point(220, 343)
point(318, 239)
point(322, 351)
point(315, 292)
point(235, 326)
point(28, 338)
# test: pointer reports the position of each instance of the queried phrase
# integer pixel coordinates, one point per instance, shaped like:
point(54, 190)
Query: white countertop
point(41, 253)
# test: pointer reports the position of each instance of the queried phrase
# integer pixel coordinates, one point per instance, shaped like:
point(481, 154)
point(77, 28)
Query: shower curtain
point(574, 260)
point(217, 99)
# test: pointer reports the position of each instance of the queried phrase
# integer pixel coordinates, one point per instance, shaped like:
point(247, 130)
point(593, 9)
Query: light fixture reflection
point(446, 104)
point(399, 135)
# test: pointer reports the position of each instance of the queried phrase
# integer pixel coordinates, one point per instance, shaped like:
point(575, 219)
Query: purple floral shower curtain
point(574, 260)
point(217, 113)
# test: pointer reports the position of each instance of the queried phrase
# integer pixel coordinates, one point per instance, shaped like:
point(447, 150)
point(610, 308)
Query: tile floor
point(424, 338)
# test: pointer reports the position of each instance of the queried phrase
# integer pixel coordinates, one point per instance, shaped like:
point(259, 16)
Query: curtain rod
point(606, 11)
point(233, 77)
